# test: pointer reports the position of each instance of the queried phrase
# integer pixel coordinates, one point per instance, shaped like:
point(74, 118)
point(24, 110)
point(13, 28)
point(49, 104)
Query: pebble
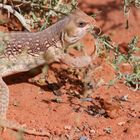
point(83, 138)
point(92, 131)
point(121, 123)
point(108, 130)
point(67, 127)
point(124, 98)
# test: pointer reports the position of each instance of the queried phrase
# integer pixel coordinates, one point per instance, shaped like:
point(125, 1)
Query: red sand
point(69, 120)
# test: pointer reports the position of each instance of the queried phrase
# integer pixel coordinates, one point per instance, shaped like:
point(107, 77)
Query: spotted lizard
point(23, 51)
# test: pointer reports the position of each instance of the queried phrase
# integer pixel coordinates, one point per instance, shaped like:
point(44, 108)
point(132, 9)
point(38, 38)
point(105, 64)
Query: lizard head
point(78, 25)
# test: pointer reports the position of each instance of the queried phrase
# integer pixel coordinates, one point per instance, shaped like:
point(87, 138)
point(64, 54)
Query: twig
point(58, 4)
point(16, 14)
point(32, 4)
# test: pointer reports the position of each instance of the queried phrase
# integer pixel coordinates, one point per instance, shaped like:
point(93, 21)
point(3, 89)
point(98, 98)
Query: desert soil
point(63, 114)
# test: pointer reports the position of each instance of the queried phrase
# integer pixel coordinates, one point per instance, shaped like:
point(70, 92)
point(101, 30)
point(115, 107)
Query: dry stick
point(32, 4)
point(58, 4)
point(16, 14)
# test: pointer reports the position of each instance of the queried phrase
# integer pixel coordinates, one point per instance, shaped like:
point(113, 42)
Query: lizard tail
point(17, 127)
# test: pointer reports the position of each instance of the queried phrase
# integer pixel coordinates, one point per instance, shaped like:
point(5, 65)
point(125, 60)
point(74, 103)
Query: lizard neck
point(52, 36)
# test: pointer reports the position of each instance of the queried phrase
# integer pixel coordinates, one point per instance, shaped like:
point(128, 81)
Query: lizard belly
point(22, 63)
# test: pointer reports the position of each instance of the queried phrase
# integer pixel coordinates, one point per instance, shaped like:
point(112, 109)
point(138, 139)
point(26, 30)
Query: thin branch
point(16, 14)
point(58, 4)
point(32, 4)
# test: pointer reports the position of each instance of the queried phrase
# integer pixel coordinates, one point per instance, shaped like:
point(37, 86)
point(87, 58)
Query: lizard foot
point(38, 80)
point(17, 127)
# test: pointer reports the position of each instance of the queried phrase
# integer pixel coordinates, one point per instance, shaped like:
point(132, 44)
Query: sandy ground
point(66, 117)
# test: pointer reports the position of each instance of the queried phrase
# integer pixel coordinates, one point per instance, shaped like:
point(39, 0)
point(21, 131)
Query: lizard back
point(23, 51)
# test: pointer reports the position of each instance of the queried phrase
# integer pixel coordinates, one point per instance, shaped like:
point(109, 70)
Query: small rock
point(32, 121)
point(67, 127)
point(121, 123)
point(133, 114)
point(108, 130)
point(92, 131)
point(57, 100)
point(102, 111)
point(67, 136)
point(77, 129)
point(124, 98)
point(83, 138)
point(16, 103)
point(87, 99)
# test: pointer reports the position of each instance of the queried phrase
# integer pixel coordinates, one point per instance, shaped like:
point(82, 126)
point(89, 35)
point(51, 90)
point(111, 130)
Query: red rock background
point(106, 117)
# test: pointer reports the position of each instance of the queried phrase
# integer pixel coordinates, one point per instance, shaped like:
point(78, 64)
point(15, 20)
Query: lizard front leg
point(77, 62)
point(57, 55)
point(41, 79)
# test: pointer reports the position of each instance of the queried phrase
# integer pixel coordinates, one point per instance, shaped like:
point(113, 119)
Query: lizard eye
point(82, 24)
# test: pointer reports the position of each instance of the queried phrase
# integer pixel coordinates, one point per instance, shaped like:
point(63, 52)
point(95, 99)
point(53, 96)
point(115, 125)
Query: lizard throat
point(68, 40)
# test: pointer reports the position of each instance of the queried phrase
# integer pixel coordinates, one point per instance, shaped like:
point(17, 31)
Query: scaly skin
point(21, 52)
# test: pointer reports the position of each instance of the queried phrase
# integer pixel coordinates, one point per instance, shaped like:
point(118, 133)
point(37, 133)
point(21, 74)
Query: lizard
point(23, 51)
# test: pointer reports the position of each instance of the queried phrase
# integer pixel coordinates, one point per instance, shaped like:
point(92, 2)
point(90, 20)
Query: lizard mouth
point(96, 30)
